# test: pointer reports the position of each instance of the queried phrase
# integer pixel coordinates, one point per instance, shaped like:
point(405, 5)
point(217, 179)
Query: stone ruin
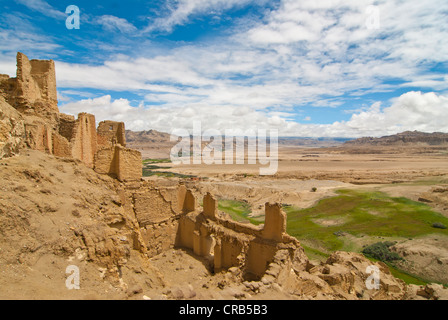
point(167, 217)
point(33, 94)
point(171, 217)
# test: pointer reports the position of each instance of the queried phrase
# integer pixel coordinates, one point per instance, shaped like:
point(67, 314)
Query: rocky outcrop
point(12, 130)
point(427, 257)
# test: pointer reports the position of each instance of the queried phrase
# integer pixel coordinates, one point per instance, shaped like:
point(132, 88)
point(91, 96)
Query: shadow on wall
point(225, 243)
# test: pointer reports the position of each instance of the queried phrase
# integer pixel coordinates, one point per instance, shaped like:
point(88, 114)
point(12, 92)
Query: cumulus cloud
point(425, 112)
point(411, 111)
point(303, 53)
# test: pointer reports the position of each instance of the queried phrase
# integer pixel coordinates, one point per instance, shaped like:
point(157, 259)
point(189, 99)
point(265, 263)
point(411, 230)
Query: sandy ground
point(299, 163)
point(41, 194)
point(413, 175)
point(301, 169)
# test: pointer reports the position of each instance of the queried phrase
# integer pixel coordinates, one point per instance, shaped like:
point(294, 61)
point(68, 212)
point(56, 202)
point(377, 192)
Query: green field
point(347, 220)
point(239, 211)
point(151, 169)
point(361, 214)
point(150, 161)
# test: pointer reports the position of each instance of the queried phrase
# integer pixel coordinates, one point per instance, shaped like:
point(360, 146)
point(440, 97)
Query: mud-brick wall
point(157, 215)
point(84, 141)
point(39, 137)
point(106, 162)
point(259, 255)
point(35, 82)
point(129, 164)
point(111, 133)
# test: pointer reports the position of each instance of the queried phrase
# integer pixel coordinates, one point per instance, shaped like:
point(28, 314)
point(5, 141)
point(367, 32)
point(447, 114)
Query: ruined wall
point(34, 87)
point(33, 93)
point(227, 243)
point(84, 139)
point(39, 135)
point(106, 162)
point(275, 222)
point(12, 130)
point(61, 146)
point(111, 133)
point(156, 211)
point(129, 164)
point(122, 163)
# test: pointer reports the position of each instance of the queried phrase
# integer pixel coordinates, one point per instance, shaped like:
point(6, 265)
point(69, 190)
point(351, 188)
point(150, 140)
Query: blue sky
point(307, 68)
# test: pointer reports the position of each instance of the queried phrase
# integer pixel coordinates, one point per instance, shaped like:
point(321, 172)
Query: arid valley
point(91, 211)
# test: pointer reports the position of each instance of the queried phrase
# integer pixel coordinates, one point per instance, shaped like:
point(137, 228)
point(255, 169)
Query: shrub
point(380, 251)
point(313, 189)
point(438, 225)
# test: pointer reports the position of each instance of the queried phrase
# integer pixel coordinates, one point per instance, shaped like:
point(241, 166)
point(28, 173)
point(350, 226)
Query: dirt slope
point(55, 213)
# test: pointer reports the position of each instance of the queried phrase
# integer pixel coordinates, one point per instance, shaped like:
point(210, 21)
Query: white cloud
point(425, 112)
point(43, 7)
point(180, 11)
point(301, 53)
point(411, 111)
point(112, 23)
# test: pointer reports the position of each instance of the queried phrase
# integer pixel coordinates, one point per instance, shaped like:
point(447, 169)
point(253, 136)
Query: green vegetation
point(150, 161)
point(150, 169)
point(314, 254)
point(341, 222)
point(380, 251)
point(438, 225)
point(406, 277)
point(361, 214)
point(400, 274)
point(238, 211)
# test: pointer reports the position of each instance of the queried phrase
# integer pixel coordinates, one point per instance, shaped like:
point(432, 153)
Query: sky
point(323, 68)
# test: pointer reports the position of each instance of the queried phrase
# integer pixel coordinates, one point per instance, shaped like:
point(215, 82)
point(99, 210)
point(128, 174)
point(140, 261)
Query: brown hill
point(407, 138)
point(151, 143)
point(149, 136)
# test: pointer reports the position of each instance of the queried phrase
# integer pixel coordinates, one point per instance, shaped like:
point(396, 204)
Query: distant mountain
point(154, 136)
point(149, 136)
point(311, 142)
point(407, 138)
point(151, 143)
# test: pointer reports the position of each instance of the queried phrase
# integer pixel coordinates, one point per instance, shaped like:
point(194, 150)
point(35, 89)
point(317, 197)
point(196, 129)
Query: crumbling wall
point(111, 133)
point(84, 142)
point(227, 243)
point(61, 146)
point(151, 207)
point(106, 162)
point(186, 200)
point(275, 222)
point(12, 130)
point(34, 87)
point(39, 135)
point(259, 255)
point(129, 164)
point(156, 211)
point(33, 93)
